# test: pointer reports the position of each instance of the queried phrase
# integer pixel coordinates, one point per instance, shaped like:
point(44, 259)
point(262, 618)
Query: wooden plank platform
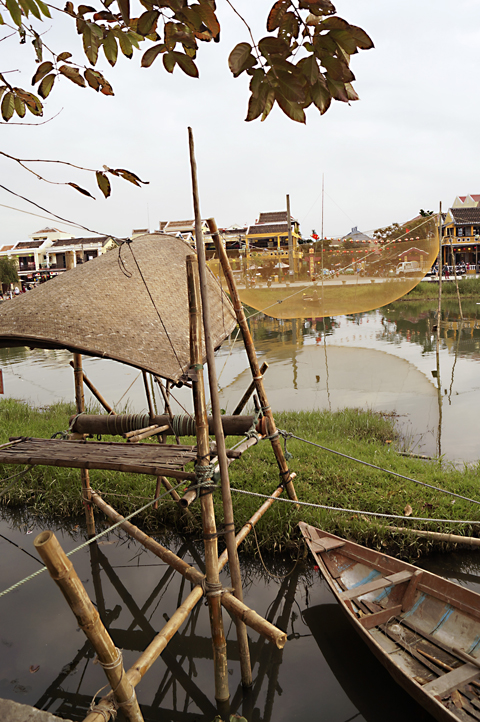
point(152, 459)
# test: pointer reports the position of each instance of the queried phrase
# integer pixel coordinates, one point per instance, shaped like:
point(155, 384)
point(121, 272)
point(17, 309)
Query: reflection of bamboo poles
point(62, 572)
point(210, 536)
point(252, 357)
point(437, 348)
point(457, 347)
point(84, 475)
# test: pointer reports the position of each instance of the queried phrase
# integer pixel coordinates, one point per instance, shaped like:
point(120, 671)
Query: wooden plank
point(380, 583)
point(373, 620)
point(451, 680)
point(325, 544)
point(409, 595)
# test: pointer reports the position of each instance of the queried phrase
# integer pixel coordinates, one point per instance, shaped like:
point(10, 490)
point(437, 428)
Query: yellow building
point(461, 235)
point(269, 236)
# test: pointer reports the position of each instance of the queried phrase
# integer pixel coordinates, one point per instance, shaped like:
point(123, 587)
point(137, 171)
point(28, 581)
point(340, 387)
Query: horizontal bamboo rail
point(121, 424)
point(146, 433)
point(62, 572)
point(157, 645)
point(440, 536)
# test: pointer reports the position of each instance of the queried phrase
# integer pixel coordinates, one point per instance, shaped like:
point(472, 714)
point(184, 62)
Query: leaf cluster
point(305, 60)
point(8, 270)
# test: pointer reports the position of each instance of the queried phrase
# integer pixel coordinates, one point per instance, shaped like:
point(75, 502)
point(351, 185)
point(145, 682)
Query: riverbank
point(428, 290)
point(322, 478)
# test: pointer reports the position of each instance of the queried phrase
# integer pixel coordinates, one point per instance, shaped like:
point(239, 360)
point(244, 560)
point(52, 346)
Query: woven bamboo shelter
point(129, 305)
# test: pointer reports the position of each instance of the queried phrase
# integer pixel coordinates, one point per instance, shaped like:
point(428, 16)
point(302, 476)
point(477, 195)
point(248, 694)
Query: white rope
point(355, 511)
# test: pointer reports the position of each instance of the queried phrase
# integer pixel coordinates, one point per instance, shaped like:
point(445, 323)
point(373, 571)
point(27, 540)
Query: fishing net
point(330, 278)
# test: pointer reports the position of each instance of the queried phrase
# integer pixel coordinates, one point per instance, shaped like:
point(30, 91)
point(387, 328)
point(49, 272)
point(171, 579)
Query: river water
point(382, 360)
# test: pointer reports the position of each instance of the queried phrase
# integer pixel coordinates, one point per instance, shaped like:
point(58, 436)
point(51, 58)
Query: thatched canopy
point(113, 308)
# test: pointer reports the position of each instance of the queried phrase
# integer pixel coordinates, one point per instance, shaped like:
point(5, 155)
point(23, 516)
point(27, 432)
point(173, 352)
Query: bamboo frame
point(84, 475)
point(206, 498)
point(95, 391)
point(251, 388)
point(252, 357)
point(62, 572)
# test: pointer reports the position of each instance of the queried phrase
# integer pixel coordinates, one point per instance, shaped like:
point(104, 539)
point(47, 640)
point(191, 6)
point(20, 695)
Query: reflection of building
point(461, 232)
point(50, 252)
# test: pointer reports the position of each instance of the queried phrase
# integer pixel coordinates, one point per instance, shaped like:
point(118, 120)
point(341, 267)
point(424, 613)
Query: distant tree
point(304, 59)
point(8, 270)
point(419, 227)
point(425, 214)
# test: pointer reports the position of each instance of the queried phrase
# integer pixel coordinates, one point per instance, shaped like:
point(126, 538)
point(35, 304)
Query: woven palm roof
point(113, 308)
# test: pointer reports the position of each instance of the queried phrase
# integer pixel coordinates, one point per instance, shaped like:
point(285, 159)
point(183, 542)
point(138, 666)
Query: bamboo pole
point(229, 525)
point(166, 401)
point(95, 392)
point(439, 536)
point(244, 400)
point(206, 497)
point(158, 644)
point(252, 357)
point(151, 410)
point(62, 572)
point(84, 475)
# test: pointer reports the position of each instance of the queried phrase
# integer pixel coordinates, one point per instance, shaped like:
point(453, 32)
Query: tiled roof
point(466, 215)
point(475, 198)
point(28, 244)
point(6, 248)
point(179, 225)
point(268, 228)
point(79, 241)
point(46, 230)
point(273, 217)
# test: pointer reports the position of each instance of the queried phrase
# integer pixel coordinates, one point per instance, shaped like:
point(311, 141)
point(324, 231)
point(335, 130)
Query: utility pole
point(290, 239)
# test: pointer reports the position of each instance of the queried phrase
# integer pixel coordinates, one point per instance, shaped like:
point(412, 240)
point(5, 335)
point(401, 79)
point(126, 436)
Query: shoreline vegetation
point(428, 290)
point(322, 478)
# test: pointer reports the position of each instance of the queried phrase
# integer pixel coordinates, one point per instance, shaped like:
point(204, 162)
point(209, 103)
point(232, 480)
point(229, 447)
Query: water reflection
point(135, 595)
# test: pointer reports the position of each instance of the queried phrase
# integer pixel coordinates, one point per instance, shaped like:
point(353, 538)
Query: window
point(459, 231)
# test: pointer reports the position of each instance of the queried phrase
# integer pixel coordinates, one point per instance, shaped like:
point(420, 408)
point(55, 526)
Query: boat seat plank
point(325, 544)
point(451, 680)
point(373, 620)
point(376, 584)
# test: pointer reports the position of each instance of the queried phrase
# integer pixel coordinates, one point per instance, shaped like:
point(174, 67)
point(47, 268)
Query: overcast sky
point(410, 142)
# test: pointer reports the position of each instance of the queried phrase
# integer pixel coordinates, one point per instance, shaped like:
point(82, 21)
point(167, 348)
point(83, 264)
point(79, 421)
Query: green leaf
point(63, 56)
point(147, 22)
point(337, 70)
point(187, 65)
point(90, 43)
point(20, 107)
point(124, 6)
point(38, 45)
point(8, 105)
point(276, 14)
point(292, 110)
point(110, 47)
point(256, 106)
point(124, 42)
point(42, 71)
point(151, 54)
point(351, 93)
point(31, 101)
point(24, 5)
point(321, 96)
point(274, 46)
point(2, 90)
point(73, 75)
point(2, 21)
point(169, 61)
point(103, 183)
point(80, 190)
point(309, 68)
point(269, 103)
point(46, 85)
point(345, 41)
point(338, 90)
point(241, 59)
point(14, 9)
point(209, 18)
point(91, 76)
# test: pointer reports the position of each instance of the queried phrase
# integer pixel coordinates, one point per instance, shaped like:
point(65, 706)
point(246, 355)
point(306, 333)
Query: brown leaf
point(42, 70)
point(408, 511)
point(151, 54)
point(103, 183)
point(81, 190)
point(241, 59)
point(276, 14)
point(73, 75)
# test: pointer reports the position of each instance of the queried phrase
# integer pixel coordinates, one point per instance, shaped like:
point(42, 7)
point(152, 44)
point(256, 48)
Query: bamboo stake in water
point(62, 572)
point(206, 497)
point(234, 564)
point(84, 475)
point(252, 357)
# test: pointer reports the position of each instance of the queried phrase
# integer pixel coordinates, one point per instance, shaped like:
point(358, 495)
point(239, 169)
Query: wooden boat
point(424, 629)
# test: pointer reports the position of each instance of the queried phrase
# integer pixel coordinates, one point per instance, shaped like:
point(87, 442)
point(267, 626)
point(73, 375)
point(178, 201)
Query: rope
point(379, 468)
point(15, 476)
point(87, 543)
point(110, 665)
point(355, 511)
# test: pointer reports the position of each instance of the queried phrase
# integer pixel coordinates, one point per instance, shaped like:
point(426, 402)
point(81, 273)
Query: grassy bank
point(322, 478)
point(468, 288)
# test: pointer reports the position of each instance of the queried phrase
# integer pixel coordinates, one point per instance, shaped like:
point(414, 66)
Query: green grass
point(468, 287)
point(322, 478)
